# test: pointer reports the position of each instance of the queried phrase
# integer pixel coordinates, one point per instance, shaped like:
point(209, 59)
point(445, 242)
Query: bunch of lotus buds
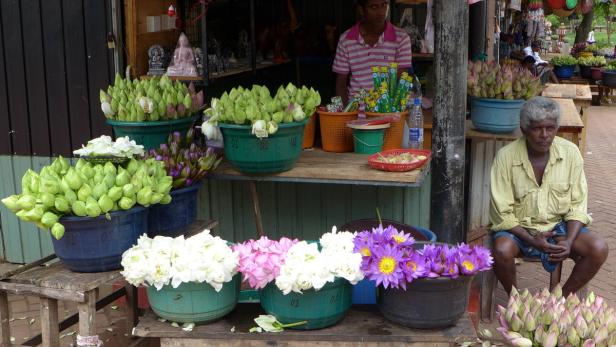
point(507, 82)
point(158, 98)
point(549, 320)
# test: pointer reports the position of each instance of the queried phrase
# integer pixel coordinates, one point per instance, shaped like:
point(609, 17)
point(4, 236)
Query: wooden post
point(5, 328)
point(450, 62)
point(87, 314)
point(132, 307)
point(49, 322)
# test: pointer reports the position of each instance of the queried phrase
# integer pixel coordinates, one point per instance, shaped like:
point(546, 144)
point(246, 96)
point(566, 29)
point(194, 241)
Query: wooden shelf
point(423, 56)
point(161, 32)
point(244, 69)
point(176, 78)
point(411, 2)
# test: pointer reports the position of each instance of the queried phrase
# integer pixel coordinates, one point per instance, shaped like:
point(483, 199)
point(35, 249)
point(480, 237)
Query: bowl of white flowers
point(191, 280)
point(305, 285)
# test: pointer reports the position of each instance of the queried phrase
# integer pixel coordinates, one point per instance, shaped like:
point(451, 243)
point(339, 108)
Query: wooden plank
point(5, 327)
point(317, 166)
point(87, 314)
point(309, 211)
point(267, 200)
point(172, 342)
point(35, 77)
point(55, 77)
point(15, 75)
point(34, 290)
point(363, 202)
point(44, 236)
point(570, 117)
point(56, 276)
point(288, 196)
point(568, 91)
point(76, 76)
point(49, 322)
point(362, 324)
point(424, 208)
point(11, 240)
point(6, 147)
point(97, 62)
point(337, 209)
point(391, 202)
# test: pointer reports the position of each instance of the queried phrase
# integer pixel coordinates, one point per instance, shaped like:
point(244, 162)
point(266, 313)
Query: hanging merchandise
point(429, 29)
point(535, 27)
point(556, 4)
point(584, 6)
point(515, 5)
point(171, 11)
point(570, 4)
point(534, 5)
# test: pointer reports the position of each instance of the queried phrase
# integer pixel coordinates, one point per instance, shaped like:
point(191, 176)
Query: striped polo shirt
point(356, 57)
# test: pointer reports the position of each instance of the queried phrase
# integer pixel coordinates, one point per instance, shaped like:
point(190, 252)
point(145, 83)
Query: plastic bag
point(429, 29)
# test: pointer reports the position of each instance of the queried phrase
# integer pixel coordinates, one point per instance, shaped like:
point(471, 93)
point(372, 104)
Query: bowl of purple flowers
point(420, 285)
point(187, 160)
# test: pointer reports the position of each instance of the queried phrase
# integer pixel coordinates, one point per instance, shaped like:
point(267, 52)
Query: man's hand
point(540, 242)
point(562, 255)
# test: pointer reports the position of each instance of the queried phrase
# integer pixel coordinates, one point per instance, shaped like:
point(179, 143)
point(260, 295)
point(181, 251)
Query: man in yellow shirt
point(538, 201)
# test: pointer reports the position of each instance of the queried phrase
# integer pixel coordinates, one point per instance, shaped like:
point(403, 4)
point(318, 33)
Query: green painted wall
point(302, 210)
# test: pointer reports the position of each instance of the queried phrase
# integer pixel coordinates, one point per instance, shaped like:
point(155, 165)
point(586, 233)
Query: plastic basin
point(320, 309)
point(496, 115)
point(172, 219)
point(194, 302)
point(276, 153)
point(96, 244)
point(564, 71)
point(151, 134)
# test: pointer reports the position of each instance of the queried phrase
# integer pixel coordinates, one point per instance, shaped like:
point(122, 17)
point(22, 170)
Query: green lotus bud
point(165, 200)
point(49, 219)
point(87, 170)
point(530, 324)
point(126, 203)
point(550, 339)
point(57, 230)
point(572, 337)
point(98, 177)
point(79, 208)
point(35, 182)
point(547, 317)
point(109, 168)
point(109, 180)
point(61, 204)
point(92, 208)
point(35, 214)
point(156, 198)
point(516, 324)
point(115, 193)
point(129, 190)
point(132, 167)
point(73, 180)
point(105, 203)
point(144, 196)
point(47, 199)
point(99, 190)
point(84, 192)
point(26, 202)
point(123, 178)
point(11, 203)
point(521, 342)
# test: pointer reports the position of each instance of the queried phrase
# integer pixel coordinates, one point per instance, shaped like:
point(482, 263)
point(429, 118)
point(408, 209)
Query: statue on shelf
point(183, 63)
point(156, 64)
point(243, 45)
point(199, 60)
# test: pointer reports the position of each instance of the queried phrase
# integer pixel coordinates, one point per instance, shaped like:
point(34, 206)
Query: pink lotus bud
point(588, 315)
point(503, 322)
point(516, 323)
point(525, 293)
point(562, 339)
point(539, 333)
point(521, 342)
point(550, 339)
point(548, 316)
point(510, 313)
point(509, 335)
point(530, 324)
point(588, 343)
point(592, 329)
point(610, 322)
point(573, 338)
point(581, 326)
point(601, 335)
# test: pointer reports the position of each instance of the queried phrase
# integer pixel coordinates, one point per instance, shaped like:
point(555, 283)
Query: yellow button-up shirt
point(517, 199)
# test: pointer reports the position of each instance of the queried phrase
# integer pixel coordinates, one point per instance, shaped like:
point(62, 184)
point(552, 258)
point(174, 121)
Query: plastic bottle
point(414, 93)
point(415, 125)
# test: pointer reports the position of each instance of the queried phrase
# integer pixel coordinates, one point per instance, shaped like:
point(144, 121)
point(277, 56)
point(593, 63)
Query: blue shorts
point(559, 230)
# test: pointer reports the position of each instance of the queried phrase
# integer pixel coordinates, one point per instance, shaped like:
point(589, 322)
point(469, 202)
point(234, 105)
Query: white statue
point(183, 63)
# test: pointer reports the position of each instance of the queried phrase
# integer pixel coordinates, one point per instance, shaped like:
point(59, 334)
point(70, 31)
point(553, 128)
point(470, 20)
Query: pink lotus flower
point(260, 260)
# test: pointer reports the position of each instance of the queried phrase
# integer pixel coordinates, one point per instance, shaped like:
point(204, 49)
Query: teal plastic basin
point(496, 115)
point(194, 302)
point(321, 308)
point(151, 134)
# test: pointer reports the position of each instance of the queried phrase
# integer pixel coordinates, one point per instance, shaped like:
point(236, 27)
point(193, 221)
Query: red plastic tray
point(375, 164)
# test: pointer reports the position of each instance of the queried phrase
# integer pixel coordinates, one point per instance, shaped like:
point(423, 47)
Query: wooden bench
point(363, 325)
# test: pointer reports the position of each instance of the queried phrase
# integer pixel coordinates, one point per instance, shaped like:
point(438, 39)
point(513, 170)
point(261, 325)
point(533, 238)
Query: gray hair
point(538, 109)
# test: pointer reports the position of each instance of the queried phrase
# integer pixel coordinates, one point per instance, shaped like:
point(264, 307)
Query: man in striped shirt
point(372, 42)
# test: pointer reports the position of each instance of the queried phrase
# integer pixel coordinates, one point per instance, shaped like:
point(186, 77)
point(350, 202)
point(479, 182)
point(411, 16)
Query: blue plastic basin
point(172, 219)
point(496, 115)
point(96, 244)
point(564, 71)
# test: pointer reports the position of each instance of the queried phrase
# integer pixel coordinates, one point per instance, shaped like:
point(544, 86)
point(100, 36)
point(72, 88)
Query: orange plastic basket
point(335, 135)
point(309, 131)
point(393, 135)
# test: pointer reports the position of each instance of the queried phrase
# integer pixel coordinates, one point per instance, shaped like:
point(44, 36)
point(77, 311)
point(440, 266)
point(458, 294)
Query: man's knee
point(505, 250)
point(599, 250)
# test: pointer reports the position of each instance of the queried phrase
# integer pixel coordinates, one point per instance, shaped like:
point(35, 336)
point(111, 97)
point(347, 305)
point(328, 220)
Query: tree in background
point(605, 9)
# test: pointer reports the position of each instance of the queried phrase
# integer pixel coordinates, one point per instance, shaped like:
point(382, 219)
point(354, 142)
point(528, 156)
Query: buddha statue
point(183, 62)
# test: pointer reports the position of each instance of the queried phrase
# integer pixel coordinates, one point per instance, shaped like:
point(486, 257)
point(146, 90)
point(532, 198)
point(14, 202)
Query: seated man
point(541, 67)
point(538, 201)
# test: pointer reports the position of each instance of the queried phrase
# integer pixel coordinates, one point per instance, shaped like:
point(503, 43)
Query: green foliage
point(563, 60)
point(592, 61)
point(611, 65)
point(555, 20)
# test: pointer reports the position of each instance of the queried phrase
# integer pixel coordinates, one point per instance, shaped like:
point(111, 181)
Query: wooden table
point(54, 282)
point(581, 96)
point(318, 166)
point(362, 326)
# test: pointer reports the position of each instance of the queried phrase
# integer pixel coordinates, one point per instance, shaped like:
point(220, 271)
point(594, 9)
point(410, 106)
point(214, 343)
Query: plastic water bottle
point(415, 125)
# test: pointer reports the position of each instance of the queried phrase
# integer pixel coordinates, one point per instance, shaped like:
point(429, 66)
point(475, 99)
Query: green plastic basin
point(276, 153)
point(194, 302)
point(151, 134)
point(321, 308)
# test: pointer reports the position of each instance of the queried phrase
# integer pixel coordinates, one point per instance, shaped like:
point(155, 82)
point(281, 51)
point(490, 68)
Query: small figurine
point(156, 64)
point(243, 47)
point(183, 63)
point(199, 60)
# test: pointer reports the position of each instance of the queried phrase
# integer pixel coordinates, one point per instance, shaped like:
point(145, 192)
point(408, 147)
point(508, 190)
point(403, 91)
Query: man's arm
point(341, 87)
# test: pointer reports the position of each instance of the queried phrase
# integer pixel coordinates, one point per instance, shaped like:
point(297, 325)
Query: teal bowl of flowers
point(319, 309)
point(194, 302)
